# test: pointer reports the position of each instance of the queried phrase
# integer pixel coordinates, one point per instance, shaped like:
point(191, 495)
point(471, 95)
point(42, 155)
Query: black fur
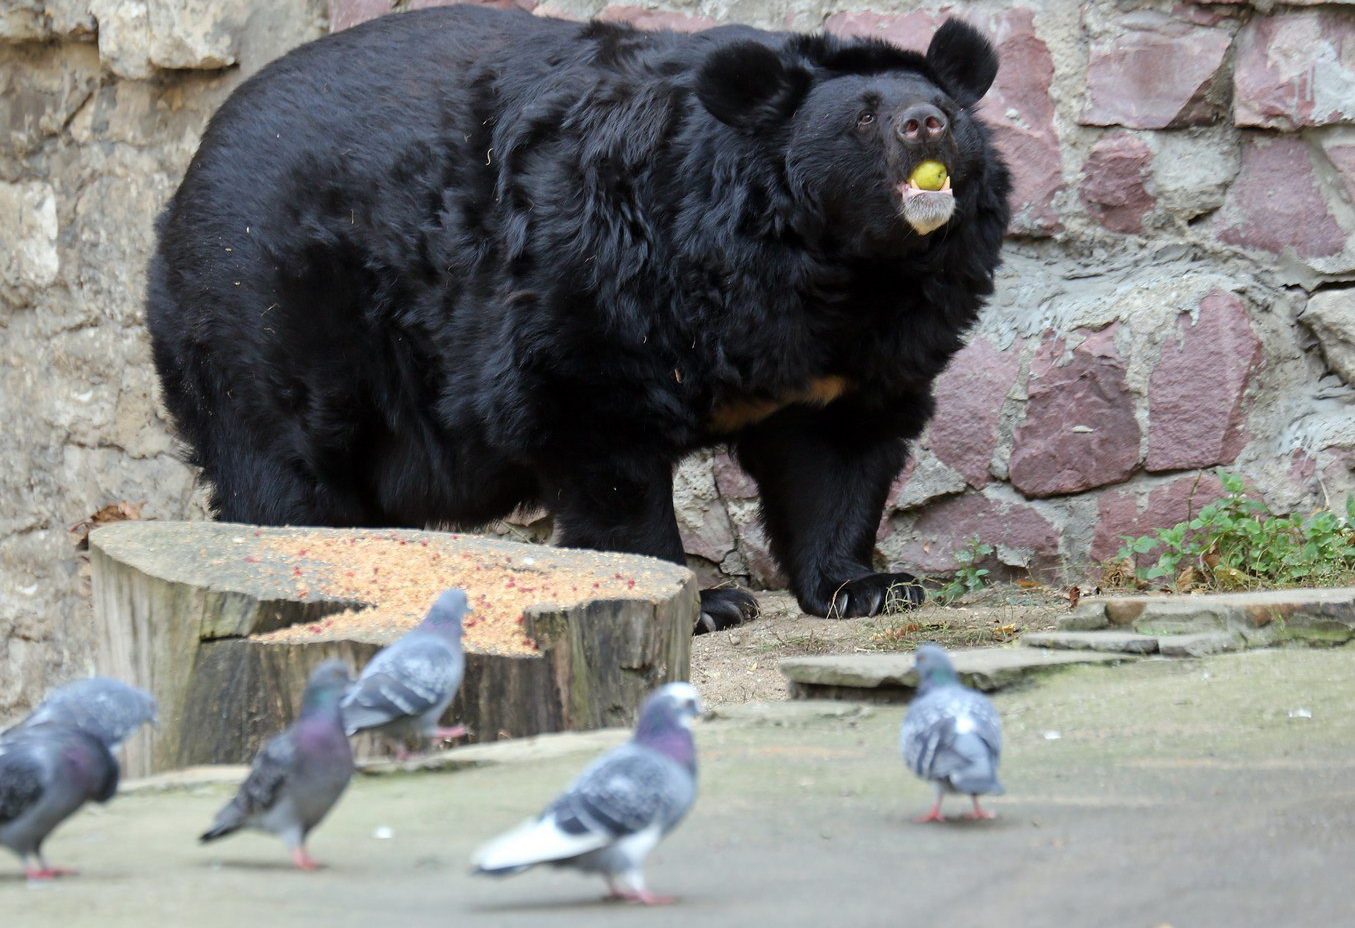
point(454, 262)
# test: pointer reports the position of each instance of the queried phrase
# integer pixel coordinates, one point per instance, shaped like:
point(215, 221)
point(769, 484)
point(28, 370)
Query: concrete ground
point(1217, 792)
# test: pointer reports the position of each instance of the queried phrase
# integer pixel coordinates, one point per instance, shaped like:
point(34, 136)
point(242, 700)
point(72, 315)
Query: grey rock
point(1199, 644)
point(124, 37)
point(1123, 642)
point(200, 34)
point(28, 252)
point(1193, 624)
point(1331, 317)
point(1086, 617)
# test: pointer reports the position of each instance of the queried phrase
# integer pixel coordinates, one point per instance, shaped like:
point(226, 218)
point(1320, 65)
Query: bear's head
point(851, 119)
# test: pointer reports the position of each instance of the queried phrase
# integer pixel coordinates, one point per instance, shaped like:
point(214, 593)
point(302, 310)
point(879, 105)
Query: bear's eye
point(865, 120)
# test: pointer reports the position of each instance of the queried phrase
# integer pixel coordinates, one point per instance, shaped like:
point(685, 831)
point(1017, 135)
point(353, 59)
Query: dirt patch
point(740, 665)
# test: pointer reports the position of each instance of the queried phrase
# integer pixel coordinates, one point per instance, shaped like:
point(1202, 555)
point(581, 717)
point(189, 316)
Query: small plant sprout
point(969, 576)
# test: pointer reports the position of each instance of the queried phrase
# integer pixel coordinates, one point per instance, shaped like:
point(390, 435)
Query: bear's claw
point(874, 594)
point(723, 608)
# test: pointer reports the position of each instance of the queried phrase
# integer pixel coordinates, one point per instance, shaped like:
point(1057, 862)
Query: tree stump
point(222, 623)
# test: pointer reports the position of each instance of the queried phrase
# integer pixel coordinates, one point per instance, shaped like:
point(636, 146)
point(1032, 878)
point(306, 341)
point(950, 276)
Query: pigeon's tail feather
point(218, 831)
point(536, 841)
point(977, 785)
point(500, 872)
point(228, 821)
point(358, 719)
point(978, 775)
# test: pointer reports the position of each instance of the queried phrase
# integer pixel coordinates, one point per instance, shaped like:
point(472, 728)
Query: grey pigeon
point(47, 772)
point(404, 690)
point(951, 735)
point(300, 774)
point(614, 814)
point(108, 709)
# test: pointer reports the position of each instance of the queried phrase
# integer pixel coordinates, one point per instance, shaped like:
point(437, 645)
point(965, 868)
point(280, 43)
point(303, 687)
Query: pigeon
point(614, 814)
point(300, 774)
point(404, 690)
point(108, 709)
point(47, 772)
point(951, 735)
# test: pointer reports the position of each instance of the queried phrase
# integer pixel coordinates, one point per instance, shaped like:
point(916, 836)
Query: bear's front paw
point(875, 593)
point(724, 607)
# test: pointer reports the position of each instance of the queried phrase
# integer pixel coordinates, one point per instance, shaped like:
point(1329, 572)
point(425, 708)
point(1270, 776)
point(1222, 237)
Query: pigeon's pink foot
point(450, 734)
point(303, 860)
point(979, 814)
point(645, 897)
point(49, 873)
point(933, 816)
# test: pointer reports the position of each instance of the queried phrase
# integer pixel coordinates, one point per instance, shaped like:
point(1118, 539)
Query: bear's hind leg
point(628, 507)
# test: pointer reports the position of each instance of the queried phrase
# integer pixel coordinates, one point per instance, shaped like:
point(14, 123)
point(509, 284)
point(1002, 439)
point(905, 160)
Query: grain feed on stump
point(400, 578)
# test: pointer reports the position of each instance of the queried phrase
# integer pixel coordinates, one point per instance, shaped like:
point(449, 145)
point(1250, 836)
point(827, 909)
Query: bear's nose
point(921, 122)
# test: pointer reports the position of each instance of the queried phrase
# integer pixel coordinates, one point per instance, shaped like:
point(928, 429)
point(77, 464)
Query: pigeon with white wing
point(404, 690)
point(619, 808)
point(951, 735)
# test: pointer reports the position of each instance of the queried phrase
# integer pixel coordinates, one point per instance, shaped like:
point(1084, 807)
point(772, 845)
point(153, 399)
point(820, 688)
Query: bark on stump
point(185, 610)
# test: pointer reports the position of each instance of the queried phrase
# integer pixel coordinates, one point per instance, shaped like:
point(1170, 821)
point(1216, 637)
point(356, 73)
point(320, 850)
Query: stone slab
point(1121, 642)
point(892, 677)
point(1199, 644)
point(1263, 616)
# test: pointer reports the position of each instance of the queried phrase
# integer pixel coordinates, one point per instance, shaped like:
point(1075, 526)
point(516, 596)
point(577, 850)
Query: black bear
point(454, 262)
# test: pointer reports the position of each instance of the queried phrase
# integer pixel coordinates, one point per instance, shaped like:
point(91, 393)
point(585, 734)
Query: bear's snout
point(921, 123)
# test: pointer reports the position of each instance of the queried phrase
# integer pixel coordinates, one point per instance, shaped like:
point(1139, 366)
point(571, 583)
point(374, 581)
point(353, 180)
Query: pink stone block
point(1115, 182)
point(1152, 71)
point(344, 14)
point(1277, 202)
point(712, 537)
point(527, 5)
point(1196, 392)
point(1296, 69)
point(732, 480)
point(642, 18)
point(969, 395)
point(1079, 431)
point(947, 526)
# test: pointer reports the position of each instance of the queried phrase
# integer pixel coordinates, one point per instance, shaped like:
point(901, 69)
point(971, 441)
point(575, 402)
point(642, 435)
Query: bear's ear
point(964, 60)
point(746, 85)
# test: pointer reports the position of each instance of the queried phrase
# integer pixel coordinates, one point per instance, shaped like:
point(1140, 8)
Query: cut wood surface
point(223, 622)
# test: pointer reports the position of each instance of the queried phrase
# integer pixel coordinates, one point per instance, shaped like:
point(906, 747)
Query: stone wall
point(1177, 295)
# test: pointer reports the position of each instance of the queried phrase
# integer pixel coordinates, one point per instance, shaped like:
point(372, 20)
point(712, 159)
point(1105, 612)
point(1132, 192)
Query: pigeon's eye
point(865, 120)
